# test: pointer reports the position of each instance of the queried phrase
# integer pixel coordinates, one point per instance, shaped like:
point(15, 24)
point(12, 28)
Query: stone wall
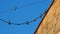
point(51, 22)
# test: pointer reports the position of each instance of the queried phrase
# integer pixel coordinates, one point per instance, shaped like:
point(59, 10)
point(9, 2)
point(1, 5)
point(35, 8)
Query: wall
point(51, 22)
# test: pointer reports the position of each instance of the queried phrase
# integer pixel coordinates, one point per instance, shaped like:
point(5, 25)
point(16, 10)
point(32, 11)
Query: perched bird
point(27, 22)
point(41, 15)
point(15, 8)
point(34, 19)
point(9, 22)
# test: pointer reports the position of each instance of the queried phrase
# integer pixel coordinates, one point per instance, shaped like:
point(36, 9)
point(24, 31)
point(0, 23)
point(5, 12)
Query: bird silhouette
point(27, 22)
point(15, 8)
point(9, 22)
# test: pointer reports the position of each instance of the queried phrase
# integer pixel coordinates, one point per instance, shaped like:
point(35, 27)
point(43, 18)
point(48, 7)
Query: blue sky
point(26, 10)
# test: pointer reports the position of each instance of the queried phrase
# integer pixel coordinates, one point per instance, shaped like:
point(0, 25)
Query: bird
point(41, 15)
point(15, 8)
point(27, 22)
point(34, 19)
point(9, 22)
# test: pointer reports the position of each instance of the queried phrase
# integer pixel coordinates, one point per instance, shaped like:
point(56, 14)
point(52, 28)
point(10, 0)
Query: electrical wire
point(27, 22)
point(15, 7)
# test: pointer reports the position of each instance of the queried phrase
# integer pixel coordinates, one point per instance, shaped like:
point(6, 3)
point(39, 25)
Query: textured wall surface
point(51, 22)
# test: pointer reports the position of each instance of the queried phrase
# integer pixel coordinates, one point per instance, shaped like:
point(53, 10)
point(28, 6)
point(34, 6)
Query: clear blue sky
point(26, 10)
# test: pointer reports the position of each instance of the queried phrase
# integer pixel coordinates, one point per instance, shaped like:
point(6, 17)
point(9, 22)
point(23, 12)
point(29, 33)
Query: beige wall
point(51, 22)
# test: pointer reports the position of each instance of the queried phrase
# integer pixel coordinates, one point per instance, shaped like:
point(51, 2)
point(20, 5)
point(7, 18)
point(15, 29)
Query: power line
point(27, 22)
point(15, 7)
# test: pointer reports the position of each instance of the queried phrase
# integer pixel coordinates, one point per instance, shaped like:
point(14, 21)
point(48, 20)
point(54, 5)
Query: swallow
point(9, 22)
point(27, 22)
point(15, 8)
point(34, 19)
point(41, 15)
